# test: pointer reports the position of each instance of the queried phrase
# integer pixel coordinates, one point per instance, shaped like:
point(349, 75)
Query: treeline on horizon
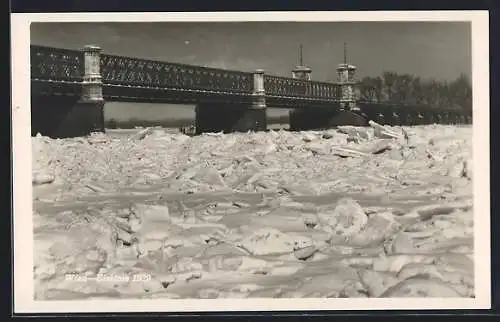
point(408, 89)
point(172, 123)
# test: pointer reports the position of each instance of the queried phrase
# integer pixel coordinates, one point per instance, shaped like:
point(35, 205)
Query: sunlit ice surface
point(346, 212)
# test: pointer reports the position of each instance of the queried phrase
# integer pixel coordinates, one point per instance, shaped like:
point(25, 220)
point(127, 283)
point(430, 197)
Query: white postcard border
point(22, 187)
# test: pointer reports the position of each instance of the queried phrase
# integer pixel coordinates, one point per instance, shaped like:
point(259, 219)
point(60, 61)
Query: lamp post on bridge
point(91, 97)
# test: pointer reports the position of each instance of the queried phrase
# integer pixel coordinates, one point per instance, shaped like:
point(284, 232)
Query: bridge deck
point(59, 72)
point(56, 71)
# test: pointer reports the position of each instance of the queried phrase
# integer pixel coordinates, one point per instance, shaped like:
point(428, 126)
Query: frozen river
point(337, 213)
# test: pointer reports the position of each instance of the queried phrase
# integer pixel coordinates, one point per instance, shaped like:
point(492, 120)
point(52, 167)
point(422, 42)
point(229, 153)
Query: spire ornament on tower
point(301, 71)
point(301, 61)
point(345, 53)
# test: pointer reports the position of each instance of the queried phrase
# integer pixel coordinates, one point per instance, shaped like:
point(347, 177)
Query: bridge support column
point(429, 117)
point(312, 118)
point(309, 118)
point(380, 118)
point(62, 116)
point(391, 117)
point(439, 118)
point(384, 114)
point(446, 119)
point(235, 117)
point(396, 117)
point(257, 111)
point(407, 118)
point(227, 118)
point(92, 100)
point(420, 118)
point(467, 119)
point(454, 119)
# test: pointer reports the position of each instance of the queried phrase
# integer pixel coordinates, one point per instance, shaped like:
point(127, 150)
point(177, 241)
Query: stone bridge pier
point(62, 116)
point(309, 118)
point(343, 112)
point(235, 117)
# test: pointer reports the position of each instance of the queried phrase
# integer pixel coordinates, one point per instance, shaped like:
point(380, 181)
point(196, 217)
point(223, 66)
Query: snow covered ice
point(347, 212)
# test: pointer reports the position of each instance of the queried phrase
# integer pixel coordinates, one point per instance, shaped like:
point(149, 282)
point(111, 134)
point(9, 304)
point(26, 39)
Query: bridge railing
point(56, 64)
point(64, 65)
point(126, 71)
point(291, 87)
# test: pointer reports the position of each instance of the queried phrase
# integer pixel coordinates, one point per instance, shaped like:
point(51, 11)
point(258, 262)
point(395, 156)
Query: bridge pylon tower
point(346, 79)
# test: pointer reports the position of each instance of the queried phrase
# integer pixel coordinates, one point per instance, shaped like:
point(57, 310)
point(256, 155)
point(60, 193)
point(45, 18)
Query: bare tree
point(411, 89)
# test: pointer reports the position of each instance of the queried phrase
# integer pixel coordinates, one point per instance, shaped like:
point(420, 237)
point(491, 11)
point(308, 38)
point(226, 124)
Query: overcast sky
point(440, 50)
